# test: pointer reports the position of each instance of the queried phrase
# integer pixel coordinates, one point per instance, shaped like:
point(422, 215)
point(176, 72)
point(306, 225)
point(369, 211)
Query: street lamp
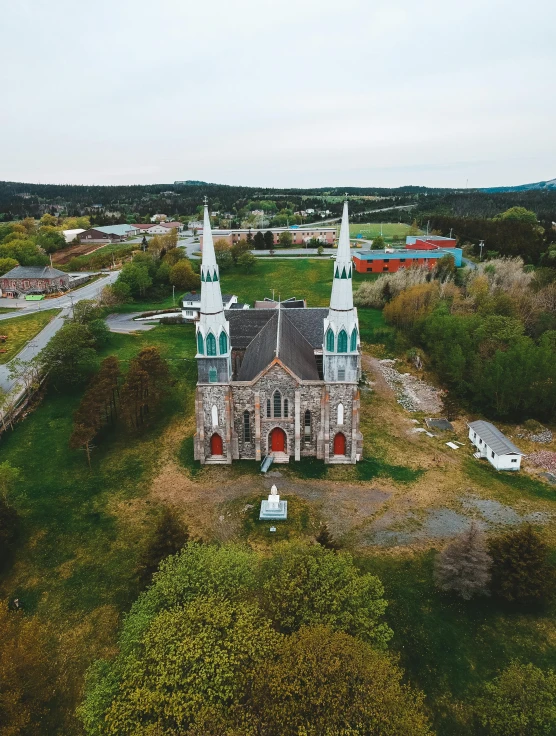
point(481, 246)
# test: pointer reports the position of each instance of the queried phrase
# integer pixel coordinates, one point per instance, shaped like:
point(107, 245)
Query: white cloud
point(290, 93)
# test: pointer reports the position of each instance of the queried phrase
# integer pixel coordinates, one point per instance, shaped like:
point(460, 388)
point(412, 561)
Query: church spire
point(211, 296)
point(341, 358)
point(342, 294)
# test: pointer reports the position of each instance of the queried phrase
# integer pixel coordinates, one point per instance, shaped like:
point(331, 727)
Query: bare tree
point(463, 567)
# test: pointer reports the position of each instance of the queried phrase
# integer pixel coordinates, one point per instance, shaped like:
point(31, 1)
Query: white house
point(191, 305)
point(492, 444)
point(157, 230)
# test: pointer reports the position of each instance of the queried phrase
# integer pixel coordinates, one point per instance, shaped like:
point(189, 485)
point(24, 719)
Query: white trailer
point(496, 447)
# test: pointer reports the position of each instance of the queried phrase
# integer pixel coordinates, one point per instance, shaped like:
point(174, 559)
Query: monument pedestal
point(273, 509)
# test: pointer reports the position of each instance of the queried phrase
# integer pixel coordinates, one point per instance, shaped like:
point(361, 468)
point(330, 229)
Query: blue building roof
point(403, 254)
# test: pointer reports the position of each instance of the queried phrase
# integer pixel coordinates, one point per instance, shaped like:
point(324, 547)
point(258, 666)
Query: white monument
point(273, 509)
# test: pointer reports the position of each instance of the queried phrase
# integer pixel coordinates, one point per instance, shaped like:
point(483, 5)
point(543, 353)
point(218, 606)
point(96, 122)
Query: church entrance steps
point(280, 457)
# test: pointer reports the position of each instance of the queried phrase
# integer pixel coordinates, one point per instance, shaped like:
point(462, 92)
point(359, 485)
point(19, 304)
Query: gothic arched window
point(340, 413)
point(211, 344)
point(307, 425)
point(286, 408)
point(200, 344)
point(214, 416)
point(277, 401)
point(223, 343)
point(246, 427)
point(329, 340)
point(342, 342)
point(353, 345)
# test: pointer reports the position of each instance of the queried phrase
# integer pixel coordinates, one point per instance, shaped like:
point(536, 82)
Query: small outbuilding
point(495, 446)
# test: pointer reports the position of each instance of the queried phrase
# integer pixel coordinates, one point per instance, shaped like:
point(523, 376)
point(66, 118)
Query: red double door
point(278, 440)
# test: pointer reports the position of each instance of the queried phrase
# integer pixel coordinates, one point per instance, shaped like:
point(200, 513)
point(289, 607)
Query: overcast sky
point(288, 93)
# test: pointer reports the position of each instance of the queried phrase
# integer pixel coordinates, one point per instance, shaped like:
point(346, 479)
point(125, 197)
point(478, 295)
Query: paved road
point(34, 347)
point(124, 323)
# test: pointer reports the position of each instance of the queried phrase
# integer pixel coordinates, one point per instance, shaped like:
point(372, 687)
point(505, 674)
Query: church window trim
point(277, 404)
point(330, 340)
point(342, 341)
point(340, 417)
point(211, 345)
point(200, 343)
point(353, 340)
point(214, 415)
point(246, 426)
point(223, 342)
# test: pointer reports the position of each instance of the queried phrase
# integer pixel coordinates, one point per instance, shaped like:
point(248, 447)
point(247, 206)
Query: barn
point(496, 447)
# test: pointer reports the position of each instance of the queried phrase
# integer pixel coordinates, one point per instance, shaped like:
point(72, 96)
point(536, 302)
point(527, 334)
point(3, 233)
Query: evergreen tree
point(463, 567)
point(268, 240)
point(258, 240)
point(521, 571)
point(145, 385)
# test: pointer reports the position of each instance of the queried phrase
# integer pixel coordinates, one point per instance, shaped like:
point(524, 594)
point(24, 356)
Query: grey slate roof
point(494, 438)
point(279, 338)
point(246, 324)
point(33, 272)
point(196, 297)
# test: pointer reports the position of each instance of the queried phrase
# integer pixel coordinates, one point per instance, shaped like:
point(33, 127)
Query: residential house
point(191, 304)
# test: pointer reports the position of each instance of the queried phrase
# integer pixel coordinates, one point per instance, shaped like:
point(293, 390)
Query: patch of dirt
point(412, 393)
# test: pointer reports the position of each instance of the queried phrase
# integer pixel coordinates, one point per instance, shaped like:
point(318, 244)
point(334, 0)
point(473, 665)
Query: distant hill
point(551, 185)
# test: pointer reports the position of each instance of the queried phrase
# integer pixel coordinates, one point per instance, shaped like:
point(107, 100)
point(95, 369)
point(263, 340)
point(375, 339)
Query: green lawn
point(390, 230)
point(6, 310)
point(20, 330)
point(83, 531)
point(449, 647)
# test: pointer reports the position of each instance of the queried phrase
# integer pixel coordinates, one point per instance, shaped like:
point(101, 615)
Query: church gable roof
point(246, 324)
point(279, 339)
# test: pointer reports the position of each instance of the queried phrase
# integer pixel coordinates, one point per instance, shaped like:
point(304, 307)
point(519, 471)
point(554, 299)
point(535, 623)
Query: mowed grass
point(390, 230)
point(20, 330)
point(83, 531)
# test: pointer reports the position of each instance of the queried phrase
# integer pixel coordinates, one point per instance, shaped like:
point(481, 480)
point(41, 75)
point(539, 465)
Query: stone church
point(280, 381)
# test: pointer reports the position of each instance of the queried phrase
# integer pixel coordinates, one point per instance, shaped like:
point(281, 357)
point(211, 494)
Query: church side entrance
point(339, 444)
point(216, 446)
point(278, 440)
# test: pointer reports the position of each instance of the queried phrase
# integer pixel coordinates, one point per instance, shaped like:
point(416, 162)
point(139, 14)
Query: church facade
point(281, 381)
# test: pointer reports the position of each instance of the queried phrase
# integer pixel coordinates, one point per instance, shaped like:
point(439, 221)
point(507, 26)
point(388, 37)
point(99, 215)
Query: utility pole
point(451, 232)
point(481, 246)
point(173, 295)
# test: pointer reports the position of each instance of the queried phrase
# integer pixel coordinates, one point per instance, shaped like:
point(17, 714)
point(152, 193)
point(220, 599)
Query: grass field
point(6, 310)
point(390, 230)
point(20, 330)
point(84, 531)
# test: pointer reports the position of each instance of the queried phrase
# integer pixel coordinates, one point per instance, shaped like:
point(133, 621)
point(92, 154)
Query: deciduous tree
point(319, 682)
point(521, 701)
point(307, 584)
point(183, 276)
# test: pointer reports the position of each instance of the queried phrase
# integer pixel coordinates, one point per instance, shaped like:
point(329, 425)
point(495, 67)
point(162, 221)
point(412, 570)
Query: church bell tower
point(341, 349)
point(213, 330)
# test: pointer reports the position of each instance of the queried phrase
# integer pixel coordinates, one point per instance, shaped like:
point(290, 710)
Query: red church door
point(278, 440)
point(339, 444)
point(216, 446)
